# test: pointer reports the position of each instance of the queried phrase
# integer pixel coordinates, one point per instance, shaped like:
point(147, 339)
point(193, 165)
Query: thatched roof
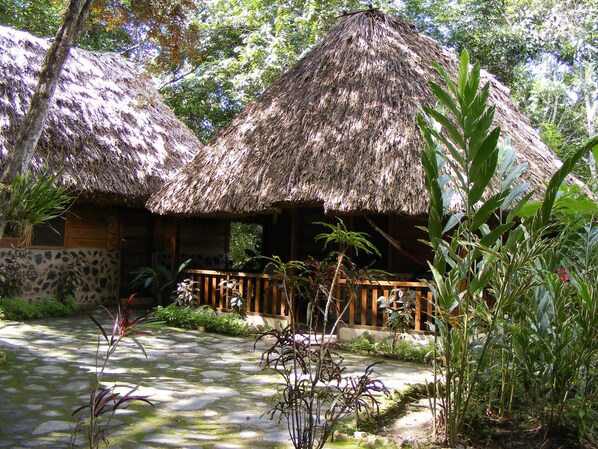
point(108, 128)
point(338, 129)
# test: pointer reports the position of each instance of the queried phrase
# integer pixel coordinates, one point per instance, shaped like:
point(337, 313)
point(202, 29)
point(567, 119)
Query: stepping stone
point(250, 368)
point(50, 369)
point(221, 392)
point(191, 403)
point(166, 439)
point(213, 374)
point(52, 426)
point(278, 437)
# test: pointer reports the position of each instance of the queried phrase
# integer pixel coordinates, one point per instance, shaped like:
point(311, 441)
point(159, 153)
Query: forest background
point(210, 58)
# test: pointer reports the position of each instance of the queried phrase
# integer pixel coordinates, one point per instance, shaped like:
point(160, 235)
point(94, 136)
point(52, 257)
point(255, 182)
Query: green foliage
point(245, 245)
point(35, 201)
point(486, 275)
point(21, 310)
point(159, 278)
point(398, 307)
point(391, 348)
point(569, 202)
point(203, 318)
point(40, 17)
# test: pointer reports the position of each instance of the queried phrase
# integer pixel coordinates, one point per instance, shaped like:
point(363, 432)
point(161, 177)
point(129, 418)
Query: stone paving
point(209, 390)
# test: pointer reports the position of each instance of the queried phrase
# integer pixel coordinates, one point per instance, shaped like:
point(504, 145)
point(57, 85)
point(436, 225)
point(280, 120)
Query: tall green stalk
point(484, 257)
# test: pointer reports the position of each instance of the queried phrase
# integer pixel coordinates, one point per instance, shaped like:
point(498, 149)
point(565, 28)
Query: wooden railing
point(364, 310)
point(265, 296)
point(262, 293)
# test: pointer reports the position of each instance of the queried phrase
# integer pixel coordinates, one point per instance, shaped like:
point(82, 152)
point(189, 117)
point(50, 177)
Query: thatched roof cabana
point(108, 128)
point(338, 130)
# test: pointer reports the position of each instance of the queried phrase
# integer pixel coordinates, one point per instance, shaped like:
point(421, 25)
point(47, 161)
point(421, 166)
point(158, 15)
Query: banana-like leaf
point(483, 213)
point(471, 88)
point(559, 178)
point(445, 98)
point(463, 72)
point(446, 124)
point(512, 175)
point(513, 195)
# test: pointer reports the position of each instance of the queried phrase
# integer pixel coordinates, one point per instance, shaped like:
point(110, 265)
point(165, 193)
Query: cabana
point(336, 136)
point(115, 142)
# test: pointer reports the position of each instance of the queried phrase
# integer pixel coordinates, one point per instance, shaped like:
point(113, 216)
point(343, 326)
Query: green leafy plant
point(159, 278)
point(96, 415)
point(204, 318)
point(35, 200)
point(235, 299)
point(185, 293)
point(389, 348)
point(21, 310)
point(316, 394)
point(399, 308)
point(479, 270)
point(245, 246)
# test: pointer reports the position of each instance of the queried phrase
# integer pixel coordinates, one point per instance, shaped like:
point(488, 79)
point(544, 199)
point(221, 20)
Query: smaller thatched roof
point(108, 128)
point(339, 129)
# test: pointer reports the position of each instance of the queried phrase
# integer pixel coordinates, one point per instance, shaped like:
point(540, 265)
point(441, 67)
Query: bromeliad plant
point(485, 259)
point(316, 392)
point(96, 415)
point(35, 201)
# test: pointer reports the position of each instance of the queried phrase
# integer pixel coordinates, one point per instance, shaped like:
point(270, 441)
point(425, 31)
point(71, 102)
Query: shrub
point(21, 310)
point(202, 318)
point(399, 350)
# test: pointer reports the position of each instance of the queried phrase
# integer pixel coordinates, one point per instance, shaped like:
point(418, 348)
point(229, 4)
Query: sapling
point(316, 392)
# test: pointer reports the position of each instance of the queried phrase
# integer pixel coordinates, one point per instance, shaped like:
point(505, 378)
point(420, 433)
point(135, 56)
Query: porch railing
point(265, 296)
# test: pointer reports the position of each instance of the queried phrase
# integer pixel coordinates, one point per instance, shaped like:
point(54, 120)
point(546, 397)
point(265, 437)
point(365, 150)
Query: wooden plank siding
point(264, 296)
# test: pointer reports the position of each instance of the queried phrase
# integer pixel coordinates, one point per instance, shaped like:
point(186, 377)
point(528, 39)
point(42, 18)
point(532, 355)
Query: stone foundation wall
point(99, 274)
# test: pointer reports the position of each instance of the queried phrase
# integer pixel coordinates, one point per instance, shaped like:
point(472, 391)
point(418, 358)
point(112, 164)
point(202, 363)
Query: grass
point(203, 318)
point(21, 310)
point(402, 350)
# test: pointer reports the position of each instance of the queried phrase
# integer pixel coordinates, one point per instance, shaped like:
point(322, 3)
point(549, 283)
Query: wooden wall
point(91, 226)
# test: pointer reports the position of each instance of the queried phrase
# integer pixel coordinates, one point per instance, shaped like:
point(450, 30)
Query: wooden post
point(364, 303)
point(374, 306)
point(258, 294)
point(418, 309)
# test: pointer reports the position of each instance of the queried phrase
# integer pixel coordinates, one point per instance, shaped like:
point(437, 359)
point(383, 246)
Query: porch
point(264, 297)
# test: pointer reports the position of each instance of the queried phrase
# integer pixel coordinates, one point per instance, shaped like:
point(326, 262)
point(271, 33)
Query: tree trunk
point(19, 158)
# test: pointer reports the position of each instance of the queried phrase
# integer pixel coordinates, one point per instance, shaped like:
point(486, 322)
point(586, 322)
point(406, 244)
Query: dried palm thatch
point(108, 129)
point(338, 129)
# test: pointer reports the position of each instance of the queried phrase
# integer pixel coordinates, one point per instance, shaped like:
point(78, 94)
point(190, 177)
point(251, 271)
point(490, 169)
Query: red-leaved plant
point(96, 415)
